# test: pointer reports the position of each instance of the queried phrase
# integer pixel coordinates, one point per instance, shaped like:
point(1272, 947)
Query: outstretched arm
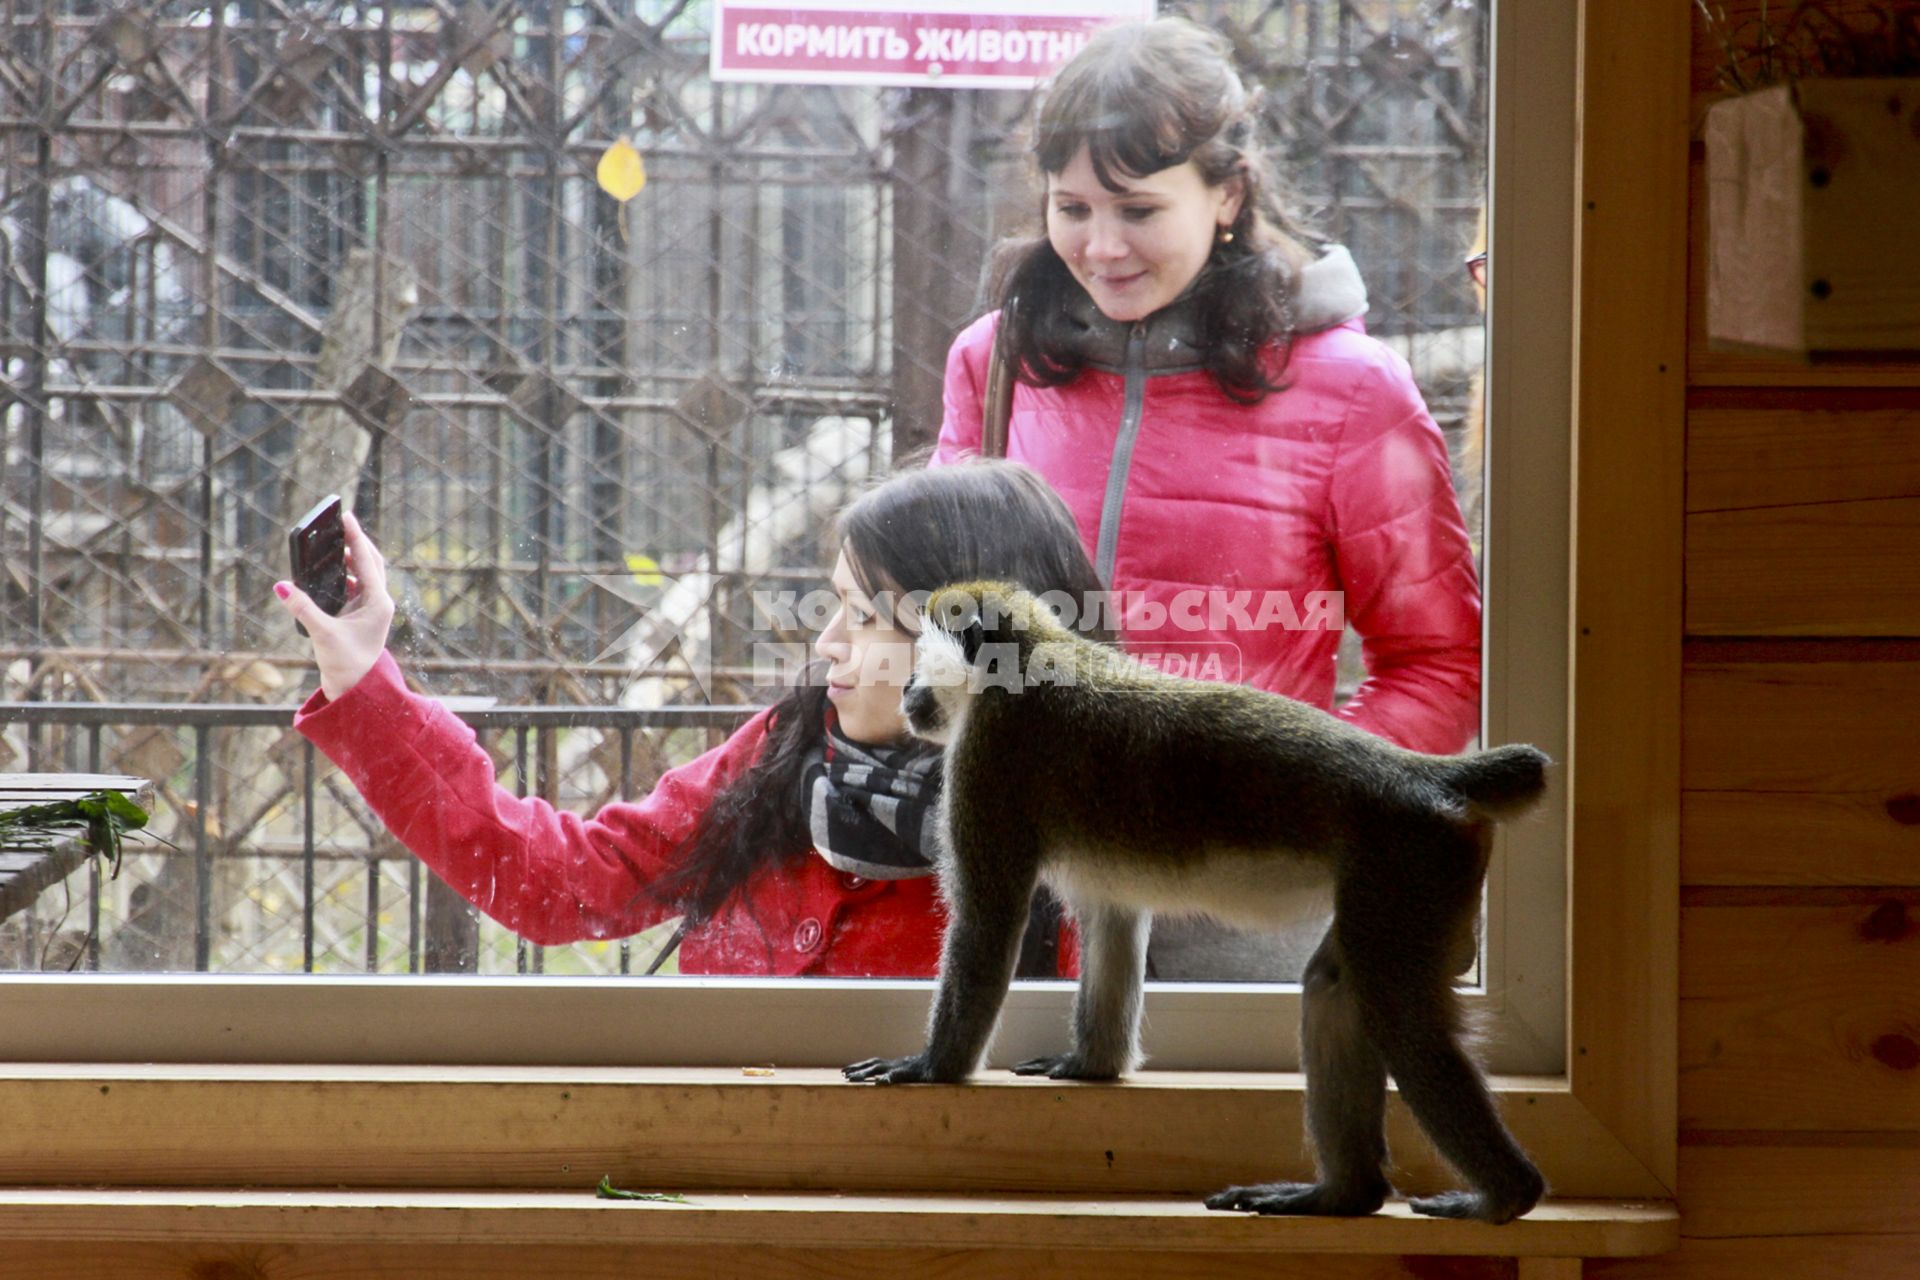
point(549, 875)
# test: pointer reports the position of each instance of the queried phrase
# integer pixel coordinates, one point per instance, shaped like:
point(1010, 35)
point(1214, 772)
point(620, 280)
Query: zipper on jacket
point(1135, 370)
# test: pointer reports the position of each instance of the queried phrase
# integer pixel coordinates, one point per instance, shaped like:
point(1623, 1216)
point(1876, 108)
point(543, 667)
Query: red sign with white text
point(869, 42)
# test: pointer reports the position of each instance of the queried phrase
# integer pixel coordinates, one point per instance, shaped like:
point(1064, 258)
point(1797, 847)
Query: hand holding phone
point(340, 589)
point(317, 545)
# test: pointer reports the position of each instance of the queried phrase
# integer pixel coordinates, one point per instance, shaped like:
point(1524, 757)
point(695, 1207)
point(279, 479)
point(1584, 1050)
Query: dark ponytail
point(754, 820)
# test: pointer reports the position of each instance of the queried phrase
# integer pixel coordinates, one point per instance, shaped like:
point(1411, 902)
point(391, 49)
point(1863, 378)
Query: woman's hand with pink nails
point(346, 647)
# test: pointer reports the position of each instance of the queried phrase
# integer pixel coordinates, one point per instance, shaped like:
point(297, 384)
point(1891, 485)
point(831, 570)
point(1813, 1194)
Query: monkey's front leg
point(976, 965)
point(1106, 1008)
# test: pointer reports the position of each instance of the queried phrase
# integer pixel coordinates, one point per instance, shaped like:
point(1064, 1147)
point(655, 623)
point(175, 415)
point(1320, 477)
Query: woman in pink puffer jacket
point(1249, 468)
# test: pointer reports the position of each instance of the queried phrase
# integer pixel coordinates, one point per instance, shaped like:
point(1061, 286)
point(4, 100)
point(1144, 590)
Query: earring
point(1225, 236)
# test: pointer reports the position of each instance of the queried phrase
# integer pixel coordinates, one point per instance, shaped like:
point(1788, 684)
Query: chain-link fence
point(256, 252)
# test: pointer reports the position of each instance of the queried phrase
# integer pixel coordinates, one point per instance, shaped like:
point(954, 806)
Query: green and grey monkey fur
point(1131, 791)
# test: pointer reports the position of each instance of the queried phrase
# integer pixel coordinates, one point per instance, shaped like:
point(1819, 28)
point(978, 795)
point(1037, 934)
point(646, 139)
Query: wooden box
point(1813, 206)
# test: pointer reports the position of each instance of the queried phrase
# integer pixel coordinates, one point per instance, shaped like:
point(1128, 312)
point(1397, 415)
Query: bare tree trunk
point(939, 240)
point(330, 447)
point(452, 931)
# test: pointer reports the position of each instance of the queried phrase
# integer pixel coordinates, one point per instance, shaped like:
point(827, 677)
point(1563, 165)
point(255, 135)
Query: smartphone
point(318, 548)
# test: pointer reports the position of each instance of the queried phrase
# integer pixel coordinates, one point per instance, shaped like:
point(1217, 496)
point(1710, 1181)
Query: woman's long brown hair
point(918, 531)
point(1142, 97)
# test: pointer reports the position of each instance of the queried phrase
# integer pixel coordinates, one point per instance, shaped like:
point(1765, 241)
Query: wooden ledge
point(1165, 1134)
point(818, 1220)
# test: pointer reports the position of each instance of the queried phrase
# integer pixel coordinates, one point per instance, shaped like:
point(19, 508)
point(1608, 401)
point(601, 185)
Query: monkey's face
point(936, 695)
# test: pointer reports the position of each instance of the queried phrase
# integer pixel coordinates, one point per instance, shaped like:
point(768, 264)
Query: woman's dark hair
point(1142, 97)
point(921, 529)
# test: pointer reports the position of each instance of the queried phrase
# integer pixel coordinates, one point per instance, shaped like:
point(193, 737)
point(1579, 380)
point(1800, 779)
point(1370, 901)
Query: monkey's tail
point(1500, 782)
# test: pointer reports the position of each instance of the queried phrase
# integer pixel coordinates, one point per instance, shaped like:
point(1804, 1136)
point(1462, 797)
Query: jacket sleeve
point(1411, 590)
point(964, 394)
point(548, 875)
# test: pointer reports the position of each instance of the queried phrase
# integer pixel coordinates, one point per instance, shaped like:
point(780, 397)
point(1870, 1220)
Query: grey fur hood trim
point(1331, 292)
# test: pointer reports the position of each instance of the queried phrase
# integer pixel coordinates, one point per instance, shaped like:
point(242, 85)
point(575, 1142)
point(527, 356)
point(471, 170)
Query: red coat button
point(806, 935)
point(854, 882)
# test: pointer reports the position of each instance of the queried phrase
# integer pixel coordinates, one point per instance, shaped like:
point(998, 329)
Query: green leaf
point(59, 813)
point(130, 815)
point(104, 814)
point(112, 806)
point(607, 1191)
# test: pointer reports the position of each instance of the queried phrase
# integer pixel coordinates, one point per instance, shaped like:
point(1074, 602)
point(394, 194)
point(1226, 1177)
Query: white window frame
point(713, 1021)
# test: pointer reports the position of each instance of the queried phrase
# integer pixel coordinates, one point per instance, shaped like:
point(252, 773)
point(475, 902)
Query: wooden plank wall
point(1800, 845)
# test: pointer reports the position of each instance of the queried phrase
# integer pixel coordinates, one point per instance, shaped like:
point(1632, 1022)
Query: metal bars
point(326, 844)
point(260, 250)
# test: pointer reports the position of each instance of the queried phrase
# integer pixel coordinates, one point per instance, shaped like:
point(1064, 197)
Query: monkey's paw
point(1469, 1204)
point(1065, 1066)
point(1305, 1198)
point(913, 1070)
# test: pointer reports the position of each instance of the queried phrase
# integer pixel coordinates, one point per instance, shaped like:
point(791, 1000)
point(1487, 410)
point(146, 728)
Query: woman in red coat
point(798, 846)
point(1251, 472)
point(1249, 469)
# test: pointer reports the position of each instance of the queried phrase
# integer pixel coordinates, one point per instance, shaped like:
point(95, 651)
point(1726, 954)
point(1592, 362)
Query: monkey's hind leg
point(1346, 1104)
point(1413, 1015)
point(1106, 1008)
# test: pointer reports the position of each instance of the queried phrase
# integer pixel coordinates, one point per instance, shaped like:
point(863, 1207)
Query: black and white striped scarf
point(870, 808)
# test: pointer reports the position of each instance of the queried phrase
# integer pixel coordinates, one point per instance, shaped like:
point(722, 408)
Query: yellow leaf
point(645, 569)
point(622, 173)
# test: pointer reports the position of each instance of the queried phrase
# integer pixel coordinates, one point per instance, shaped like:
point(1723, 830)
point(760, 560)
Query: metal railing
point(440, 932)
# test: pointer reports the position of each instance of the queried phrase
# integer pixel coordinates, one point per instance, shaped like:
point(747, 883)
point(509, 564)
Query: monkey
point(1129, 791)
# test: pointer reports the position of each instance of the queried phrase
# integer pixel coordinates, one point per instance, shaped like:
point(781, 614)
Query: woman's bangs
point(1125, 137)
